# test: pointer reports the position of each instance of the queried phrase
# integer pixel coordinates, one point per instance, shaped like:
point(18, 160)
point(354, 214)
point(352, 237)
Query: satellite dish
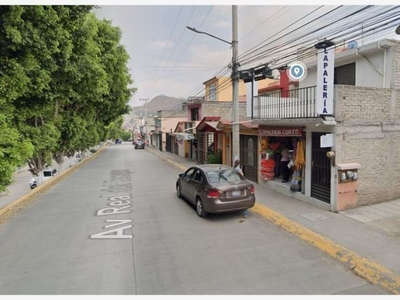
point(352, 45)
point(398, 30)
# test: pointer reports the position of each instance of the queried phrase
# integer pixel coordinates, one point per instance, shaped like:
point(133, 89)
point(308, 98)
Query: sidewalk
point(365, 239)
point(19, 189)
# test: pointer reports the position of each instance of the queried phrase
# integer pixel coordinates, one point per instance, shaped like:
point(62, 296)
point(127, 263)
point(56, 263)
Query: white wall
point(366, 75)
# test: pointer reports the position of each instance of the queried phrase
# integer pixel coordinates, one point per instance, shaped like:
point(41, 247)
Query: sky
point(168, 59)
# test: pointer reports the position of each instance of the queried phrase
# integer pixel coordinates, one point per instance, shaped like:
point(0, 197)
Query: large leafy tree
point(63, 80)
point(14, 150)
point(33, 39)
point(98, 92)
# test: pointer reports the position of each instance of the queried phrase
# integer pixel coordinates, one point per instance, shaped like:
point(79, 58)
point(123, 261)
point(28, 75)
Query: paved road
point(115, 226)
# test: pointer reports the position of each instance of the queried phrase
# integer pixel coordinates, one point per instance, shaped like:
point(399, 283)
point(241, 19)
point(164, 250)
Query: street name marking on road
point(120, 203)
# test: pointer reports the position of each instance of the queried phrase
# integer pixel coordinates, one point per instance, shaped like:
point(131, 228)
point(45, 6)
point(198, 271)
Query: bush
point(215, 158)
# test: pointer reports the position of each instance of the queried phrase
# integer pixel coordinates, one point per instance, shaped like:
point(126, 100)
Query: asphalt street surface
point(115, 226)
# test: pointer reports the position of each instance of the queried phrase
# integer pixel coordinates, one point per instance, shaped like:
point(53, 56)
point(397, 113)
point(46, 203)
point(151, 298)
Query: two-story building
point(165, 124)
point(214, 107)
point(352, 157)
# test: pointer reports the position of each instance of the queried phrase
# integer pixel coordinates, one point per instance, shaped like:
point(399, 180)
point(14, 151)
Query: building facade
point(352, 157)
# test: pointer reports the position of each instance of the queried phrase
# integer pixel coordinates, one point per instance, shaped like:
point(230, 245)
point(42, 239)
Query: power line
point(191, 39)
point(268, 20)
point(265, 53)
point(176, 21)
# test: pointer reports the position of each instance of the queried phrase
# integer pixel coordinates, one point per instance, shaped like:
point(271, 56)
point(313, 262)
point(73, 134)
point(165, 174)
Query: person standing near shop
point(284, 164)
point(237, 167)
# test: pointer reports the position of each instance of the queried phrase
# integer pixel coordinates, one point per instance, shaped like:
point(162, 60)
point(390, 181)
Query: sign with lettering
point(282, 131)
point(325, 74)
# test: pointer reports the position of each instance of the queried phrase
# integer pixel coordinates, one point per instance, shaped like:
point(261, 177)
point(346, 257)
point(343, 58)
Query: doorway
point(249, 156)
point(320, 170)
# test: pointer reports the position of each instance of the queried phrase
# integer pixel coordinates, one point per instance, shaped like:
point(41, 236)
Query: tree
point(63, 81)
point(14, 151)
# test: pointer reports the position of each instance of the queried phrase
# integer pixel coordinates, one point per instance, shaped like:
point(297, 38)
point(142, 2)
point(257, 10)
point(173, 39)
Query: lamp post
point(235, 81)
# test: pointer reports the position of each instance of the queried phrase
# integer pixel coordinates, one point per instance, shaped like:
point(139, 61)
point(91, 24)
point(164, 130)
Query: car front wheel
point(178, 191)
point(199, 208)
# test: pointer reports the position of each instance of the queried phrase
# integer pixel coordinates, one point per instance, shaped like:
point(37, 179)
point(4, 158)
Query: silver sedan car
point(215, 188)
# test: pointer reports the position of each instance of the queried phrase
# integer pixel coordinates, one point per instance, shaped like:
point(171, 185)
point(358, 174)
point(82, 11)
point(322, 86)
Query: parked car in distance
point(118, 141)
point(139, 144)
point(215, 188)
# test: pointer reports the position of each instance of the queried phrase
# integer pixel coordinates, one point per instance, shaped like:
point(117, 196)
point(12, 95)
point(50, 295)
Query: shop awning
point(184, 136)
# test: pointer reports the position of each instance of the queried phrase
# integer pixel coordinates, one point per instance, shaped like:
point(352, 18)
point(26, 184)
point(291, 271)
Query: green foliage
point(14, 151)
point(215, 158)
point(64, 83)
point(125, 135)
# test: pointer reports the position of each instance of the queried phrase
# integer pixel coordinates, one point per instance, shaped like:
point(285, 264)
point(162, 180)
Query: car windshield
point(224, 176)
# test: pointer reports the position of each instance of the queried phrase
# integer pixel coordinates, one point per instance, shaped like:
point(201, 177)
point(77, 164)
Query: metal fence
point(296, 103)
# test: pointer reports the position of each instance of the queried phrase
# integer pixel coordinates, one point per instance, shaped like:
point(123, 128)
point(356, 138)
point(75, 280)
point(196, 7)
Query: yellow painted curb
point(15, 206)
point(363, 267)
point(183, 168)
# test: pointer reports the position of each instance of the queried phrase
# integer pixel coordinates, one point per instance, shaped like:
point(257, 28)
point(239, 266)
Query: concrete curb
point(361, 266)
point(7, 211)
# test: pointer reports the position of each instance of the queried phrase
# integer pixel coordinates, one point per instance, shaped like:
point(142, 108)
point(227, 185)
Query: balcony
point(293, 104)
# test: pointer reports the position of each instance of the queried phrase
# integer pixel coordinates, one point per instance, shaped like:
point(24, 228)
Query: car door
point(185, 182)
point(194, 184)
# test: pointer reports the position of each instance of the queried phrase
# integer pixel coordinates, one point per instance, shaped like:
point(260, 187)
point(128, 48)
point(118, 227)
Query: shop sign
point(325, 73)
point(281, 131)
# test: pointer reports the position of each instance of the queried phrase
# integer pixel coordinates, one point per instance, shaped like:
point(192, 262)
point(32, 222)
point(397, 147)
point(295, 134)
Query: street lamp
point(235, 81)
point(202, 32)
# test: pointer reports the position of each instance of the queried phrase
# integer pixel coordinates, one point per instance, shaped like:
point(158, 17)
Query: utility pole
point(145, 118)
point(235, 88)
point(235, 81)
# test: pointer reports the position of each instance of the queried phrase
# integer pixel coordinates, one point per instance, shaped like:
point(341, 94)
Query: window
point(227, 175)
point(213, 92)
point(210, 143)
point(195, 114)
point(190, 173)
point(198, 176)
point(346, 74)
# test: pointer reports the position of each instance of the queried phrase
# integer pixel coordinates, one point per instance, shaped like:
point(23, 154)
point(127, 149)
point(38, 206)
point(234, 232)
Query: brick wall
point(223, 109)
point(357, 103)
point(396, 65)
point(396, 81)
point(368, 133)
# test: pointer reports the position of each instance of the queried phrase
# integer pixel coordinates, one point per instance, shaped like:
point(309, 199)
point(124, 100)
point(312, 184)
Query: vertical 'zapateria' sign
point(325, 75)
point(119, 193)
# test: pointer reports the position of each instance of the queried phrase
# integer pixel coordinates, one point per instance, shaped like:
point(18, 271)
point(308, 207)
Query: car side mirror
point(180, 175)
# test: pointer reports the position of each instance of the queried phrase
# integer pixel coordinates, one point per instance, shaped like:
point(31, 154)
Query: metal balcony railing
point(297, 103)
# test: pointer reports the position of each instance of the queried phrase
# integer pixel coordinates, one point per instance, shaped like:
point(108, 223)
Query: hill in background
point(160, 102)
